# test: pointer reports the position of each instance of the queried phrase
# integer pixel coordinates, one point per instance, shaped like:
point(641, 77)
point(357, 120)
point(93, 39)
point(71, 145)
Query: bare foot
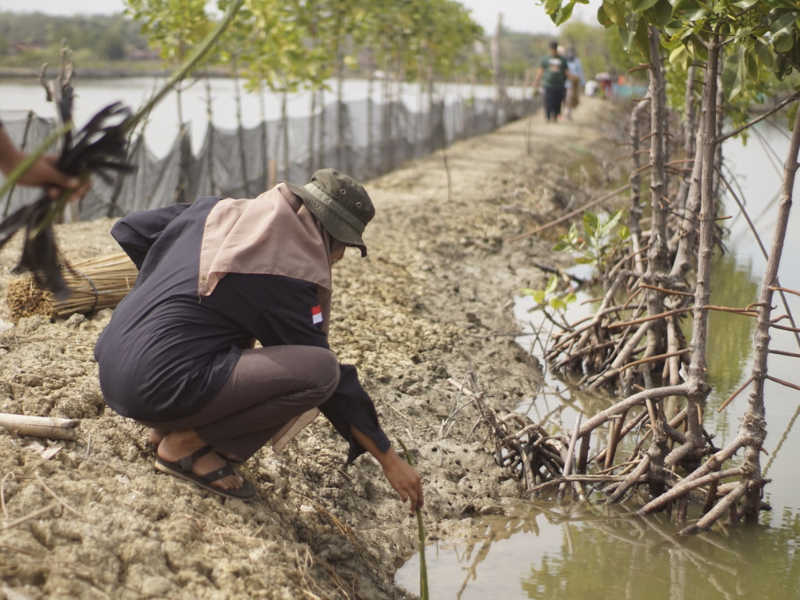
point(228, 455)
point(180, 444)
point(156, 435)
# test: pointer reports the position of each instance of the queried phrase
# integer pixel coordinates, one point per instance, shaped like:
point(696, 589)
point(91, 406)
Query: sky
point(518, 15)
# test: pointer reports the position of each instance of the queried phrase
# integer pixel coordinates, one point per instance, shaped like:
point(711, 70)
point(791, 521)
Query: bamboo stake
point(45, 427)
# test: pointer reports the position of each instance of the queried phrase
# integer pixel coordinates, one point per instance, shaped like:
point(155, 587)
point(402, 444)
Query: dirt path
point(430, 302)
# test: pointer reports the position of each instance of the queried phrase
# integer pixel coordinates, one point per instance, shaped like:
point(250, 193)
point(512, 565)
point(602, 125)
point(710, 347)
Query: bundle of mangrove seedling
point(92, 285)
point(99, 149)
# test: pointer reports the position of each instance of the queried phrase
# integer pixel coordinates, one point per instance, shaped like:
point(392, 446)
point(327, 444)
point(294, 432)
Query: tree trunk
point(237, 93)
point(178, 93)
point(321, 137)
point(689, 134)
point(370, 166)
point(657, 255)
point(635, 180)
point(285, 132)
point(311, 132)
point(264, 134)
point(497, 80)
point(698, 377)
point(340, 111)
point(210, 136)
point(753, 425)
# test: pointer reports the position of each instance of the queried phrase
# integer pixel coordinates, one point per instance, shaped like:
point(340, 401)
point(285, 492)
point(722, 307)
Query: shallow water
point(547, 552)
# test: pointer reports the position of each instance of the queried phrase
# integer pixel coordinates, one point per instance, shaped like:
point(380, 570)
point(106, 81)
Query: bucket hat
point(340, 203)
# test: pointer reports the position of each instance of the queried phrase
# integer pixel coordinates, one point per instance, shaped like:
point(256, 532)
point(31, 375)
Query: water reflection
point(730, 336)
point(552, 553)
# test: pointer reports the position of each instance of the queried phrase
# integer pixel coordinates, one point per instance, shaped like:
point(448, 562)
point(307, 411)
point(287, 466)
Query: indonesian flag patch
point(316, 314)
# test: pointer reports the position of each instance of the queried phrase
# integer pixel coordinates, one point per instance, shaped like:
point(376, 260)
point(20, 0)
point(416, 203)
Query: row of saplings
point(654, 283)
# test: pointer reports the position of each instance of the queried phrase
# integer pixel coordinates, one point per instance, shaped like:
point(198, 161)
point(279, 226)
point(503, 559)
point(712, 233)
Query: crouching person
point(214, 276)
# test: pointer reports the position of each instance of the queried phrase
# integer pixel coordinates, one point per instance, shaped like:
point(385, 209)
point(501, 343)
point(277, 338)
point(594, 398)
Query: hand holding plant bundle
point(101, 149)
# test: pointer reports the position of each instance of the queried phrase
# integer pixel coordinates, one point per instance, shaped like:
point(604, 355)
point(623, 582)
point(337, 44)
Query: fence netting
point(362, 138)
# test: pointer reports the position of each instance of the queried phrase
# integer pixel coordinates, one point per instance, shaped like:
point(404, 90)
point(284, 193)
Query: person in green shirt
point(553, 74)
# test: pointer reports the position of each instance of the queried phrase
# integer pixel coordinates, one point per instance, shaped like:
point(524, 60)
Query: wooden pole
point(45, 427)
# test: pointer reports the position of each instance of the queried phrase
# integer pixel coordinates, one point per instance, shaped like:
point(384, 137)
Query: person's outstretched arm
point(42, 173)
point(537, 78)
point(402, 476)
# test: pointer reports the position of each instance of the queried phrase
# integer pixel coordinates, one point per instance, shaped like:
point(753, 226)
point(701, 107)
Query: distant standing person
point(553, 73)
point(573, 88)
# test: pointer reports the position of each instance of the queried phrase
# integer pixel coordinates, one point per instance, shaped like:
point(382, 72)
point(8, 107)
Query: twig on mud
point(346, 476)
point(343, 529)
point(3, 492)
point(570, 214)
point(469, 502)
point(450, 418)
point(455, 410)
point(56, 497)
point(29, 517)
point(398, 411)
point(337, 582)
point(411, 437)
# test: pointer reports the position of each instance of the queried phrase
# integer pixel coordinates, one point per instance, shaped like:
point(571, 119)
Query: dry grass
point(94, 284)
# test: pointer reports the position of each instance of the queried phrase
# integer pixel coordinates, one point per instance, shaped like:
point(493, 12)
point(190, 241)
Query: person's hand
point(43, 173)
point(404, 479)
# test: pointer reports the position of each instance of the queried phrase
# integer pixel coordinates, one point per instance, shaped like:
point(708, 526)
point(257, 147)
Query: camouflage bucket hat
point(340, 203)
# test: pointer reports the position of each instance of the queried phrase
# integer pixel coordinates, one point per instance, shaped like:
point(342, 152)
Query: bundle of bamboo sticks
point(93, 284)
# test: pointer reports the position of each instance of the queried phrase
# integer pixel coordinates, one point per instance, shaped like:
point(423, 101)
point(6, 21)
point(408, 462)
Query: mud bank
point(431, 301)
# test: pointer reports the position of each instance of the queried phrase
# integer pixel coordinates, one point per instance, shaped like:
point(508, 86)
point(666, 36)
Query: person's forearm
point(9, 155)
point(384, 458)
point(537, 78)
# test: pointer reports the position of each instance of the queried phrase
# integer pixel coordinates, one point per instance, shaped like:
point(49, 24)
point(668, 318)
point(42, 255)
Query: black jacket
point(168, 351)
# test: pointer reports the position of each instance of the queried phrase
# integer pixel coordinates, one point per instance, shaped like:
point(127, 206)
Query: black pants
point(268, 389)
point(553, 97)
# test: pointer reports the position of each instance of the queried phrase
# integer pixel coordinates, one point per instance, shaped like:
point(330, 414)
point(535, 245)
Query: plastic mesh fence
point(362, 138)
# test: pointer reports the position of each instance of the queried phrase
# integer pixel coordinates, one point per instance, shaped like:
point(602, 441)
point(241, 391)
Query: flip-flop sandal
point(228, 459)
point(183, 469)
point(232, 460)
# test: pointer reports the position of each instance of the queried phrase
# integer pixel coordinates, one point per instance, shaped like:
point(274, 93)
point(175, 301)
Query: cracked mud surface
point(431, 301)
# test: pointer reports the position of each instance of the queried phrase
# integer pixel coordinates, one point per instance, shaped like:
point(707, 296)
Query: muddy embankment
point(431, 301)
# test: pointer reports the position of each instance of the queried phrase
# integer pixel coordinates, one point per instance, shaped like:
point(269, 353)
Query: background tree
point(173, 27)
